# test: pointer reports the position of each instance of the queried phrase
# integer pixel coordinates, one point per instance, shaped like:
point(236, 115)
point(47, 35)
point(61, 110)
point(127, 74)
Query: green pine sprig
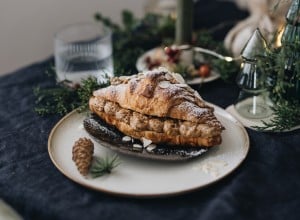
point(59, 100)
point(85, 91)
point(286, 112)
point(102, 166)
point(63, 99)
point(286, 116)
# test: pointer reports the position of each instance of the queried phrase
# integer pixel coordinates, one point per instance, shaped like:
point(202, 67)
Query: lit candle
point(184, 22)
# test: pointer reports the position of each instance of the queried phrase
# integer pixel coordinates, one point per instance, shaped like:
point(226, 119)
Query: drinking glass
point(83, 50)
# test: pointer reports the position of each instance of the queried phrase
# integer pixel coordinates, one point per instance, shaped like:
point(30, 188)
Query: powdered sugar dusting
point(197, 95)
point(193, 110)
point(182, 85)
point(178, 77)
point(98, 92)
point(211, 168)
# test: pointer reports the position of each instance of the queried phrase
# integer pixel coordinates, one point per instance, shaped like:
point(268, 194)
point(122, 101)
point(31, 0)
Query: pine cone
point(82, 155)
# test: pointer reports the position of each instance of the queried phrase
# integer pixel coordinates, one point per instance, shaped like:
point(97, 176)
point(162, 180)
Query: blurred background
point(27, 27)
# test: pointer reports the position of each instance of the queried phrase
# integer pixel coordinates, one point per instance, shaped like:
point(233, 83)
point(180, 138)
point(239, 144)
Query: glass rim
point(106, 34)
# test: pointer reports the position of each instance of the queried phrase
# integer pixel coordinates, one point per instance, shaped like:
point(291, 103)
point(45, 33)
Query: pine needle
point(63, 99)
point(102, 166)
point(286, 116)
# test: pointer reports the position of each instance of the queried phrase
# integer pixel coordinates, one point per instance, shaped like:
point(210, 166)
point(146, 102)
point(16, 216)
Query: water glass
point(83, 50)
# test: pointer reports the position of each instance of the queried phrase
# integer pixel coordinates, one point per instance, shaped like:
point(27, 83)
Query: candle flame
point(242, 65)
point(279, 36)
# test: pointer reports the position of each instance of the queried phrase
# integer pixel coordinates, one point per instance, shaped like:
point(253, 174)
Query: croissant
point(159, 106)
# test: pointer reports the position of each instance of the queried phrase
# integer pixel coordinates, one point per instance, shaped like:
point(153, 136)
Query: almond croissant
point(159, 106)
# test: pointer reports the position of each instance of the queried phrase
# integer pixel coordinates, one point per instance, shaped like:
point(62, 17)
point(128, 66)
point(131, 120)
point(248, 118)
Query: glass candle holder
point(253, 101)
point(291, 41)
point(83, 50)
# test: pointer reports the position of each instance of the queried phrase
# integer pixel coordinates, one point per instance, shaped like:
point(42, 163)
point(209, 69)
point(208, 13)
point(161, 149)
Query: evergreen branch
point(85, 91)
point(286, 116)
point(60, 100)
point(102, 166)
point(63, 99)
point(282, 84)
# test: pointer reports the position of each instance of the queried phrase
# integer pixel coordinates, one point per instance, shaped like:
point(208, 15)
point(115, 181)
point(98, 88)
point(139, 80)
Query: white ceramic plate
point(144, 178)
point(198, 80)
point(157, 52)
point(251, 123)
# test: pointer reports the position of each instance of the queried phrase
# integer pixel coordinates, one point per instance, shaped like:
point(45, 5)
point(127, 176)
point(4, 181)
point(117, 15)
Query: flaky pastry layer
point(158, 130)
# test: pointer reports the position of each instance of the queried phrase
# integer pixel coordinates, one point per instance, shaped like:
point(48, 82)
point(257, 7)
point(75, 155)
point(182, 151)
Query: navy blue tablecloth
point(265, 186)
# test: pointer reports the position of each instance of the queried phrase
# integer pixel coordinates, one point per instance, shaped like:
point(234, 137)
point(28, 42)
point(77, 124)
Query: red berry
point(204, 70)
point(168, 51)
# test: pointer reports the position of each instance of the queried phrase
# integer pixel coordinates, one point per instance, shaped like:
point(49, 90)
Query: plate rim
point(147, 195)
point(188, 81)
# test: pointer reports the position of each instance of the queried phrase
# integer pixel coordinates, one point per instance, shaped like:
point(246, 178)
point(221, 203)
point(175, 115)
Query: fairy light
point(210, 52)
